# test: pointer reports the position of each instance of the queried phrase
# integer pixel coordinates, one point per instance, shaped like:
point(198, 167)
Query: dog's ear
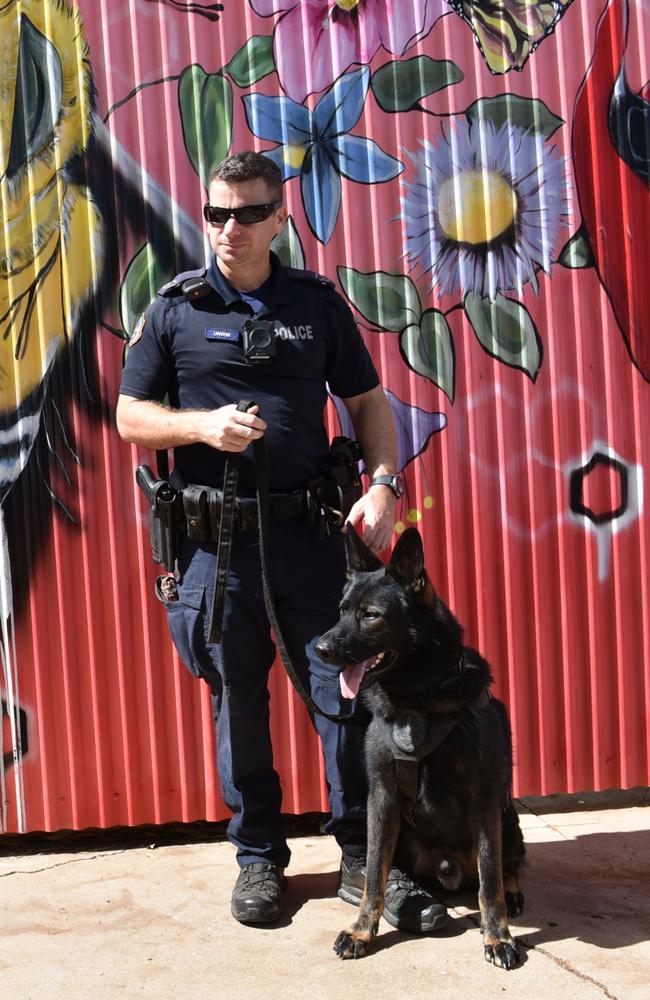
point(407, 561)
point(360, 558)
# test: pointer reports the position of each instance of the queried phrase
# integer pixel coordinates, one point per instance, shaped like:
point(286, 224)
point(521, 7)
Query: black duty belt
point(202, 507)
point(229, 507)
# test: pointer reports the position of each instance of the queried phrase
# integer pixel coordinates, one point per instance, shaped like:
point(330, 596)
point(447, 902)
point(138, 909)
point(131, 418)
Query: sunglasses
point(246, 215)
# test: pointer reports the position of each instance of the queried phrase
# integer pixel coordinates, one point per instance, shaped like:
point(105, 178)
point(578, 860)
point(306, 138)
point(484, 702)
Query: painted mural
point(475, 177)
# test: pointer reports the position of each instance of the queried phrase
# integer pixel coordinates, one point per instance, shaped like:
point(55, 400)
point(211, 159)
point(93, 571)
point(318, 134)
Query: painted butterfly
point(509, 31)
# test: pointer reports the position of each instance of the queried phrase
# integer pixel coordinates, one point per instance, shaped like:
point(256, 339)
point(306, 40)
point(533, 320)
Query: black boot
point(256, 897)
point(407, 906)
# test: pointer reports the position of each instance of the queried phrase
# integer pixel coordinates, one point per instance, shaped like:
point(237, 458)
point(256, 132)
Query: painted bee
point(51, 238)
point(62, 191)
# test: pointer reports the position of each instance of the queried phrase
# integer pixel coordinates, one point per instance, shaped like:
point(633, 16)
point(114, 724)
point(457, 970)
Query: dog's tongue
point(351, 677)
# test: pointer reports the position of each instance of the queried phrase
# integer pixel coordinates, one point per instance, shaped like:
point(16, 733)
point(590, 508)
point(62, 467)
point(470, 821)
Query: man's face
point(235, 244)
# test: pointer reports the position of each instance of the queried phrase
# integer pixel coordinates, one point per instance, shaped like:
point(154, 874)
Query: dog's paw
point(514, 903)
point(503, 953)
point(351, 945)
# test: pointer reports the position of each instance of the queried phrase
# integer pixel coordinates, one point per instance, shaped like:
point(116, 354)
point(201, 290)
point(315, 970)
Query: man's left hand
point(377, 511)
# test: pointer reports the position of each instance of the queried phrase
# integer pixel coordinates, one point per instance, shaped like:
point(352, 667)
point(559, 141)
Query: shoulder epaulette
point(174, 287)
point(312, 276)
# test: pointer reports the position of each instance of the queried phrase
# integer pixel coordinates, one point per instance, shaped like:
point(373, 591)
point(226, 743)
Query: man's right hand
point(230, 429)
point(144, 422)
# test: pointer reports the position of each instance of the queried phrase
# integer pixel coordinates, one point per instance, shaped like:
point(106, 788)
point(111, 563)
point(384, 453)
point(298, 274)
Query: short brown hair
point(249, 166)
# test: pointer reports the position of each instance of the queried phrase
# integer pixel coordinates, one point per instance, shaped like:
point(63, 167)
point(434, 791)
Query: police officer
point(192, 349)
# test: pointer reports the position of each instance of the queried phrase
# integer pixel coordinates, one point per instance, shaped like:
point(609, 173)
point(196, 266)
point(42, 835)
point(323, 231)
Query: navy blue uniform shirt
point(191, 353)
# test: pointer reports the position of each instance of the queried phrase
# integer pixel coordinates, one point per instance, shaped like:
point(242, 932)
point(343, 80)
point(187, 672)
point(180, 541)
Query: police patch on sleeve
point(138, 330)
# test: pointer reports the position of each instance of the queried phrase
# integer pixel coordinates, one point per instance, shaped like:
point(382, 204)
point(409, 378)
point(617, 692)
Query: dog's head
point(381, 611)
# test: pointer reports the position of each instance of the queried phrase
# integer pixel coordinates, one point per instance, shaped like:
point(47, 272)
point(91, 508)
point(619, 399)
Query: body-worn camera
point(258, 338)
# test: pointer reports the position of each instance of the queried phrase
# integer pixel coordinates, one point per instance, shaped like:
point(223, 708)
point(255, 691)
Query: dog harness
point(412, 736)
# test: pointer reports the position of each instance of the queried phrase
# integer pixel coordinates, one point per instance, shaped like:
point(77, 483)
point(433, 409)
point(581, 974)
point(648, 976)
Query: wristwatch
point(395, 483)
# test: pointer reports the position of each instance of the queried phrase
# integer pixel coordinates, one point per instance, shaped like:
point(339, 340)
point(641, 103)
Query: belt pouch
point(195, 506)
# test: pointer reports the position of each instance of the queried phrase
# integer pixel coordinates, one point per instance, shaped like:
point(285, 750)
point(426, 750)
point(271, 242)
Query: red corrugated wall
point(492, 240)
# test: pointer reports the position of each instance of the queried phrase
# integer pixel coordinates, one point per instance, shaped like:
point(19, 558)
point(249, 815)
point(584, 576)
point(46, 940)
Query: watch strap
point(387, 480)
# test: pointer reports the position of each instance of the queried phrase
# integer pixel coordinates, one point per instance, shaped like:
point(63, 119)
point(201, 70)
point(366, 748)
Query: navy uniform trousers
point(306, 577)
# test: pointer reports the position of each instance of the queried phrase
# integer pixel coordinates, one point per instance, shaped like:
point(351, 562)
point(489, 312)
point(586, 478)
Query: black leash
point(226, 531)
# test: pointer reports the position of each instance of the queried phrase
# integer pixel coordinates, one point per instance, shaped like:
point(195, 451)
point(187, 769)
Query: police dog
point(438, 747)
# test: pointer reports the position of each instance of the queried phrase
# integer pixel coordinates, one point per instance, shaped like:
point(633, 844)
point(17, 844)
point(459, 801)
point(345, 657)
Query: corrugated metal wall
point(481, 197)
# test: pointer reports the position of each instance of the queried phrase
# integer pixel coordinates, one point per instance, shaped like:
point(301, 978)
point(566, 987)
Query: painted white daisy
point(485, 208)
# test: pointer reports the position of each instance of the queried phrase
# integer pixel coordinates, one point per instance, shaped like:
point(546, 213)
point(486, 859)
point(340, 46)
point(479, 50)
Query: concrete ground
point(154, 921)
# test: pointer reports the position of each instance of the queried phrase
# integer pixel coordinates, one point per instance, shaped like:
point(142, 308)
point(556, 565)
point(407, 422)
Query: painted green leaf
point(288, 246)
point(428, 349)
point(206, 115)
point(401, 84)
point(142, 279)
point(388, 301)
point(252, 62)
point(506, 330)
point(577, 251)
point(526, 112)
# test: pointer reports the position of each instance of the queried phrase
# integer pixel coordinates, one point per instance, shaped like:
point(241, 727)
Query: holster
point(330, 496)
point(165, 517)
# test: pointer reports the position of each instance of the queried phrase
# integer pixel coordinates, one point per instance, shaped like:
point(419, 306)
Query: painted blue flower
point(316, 146)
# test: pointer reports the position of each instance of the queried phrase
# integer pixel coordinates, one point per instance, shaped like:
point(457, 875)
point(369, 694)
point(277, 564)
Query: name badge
point(213, 334)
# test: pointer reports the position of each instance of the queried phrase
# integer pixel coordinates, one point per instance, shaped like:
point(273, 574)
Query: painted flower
point(315, 146)
point(316, 40)
point(414, 427)
point(485, 209)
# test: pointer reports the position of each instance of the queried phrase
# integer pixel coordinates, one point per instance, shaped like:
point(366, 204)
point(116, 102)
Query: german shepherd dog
point(438, 747)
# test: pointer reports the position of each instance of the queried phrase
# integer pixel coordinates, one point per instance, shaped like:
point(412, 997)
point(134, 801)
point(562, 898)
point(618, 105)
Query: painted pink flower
point(316, 40)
